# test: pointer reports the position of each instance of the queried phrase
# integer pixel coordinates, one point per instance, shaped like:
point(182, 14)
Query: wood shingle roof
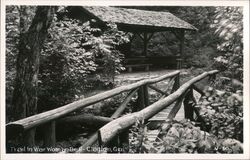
point(138, 18)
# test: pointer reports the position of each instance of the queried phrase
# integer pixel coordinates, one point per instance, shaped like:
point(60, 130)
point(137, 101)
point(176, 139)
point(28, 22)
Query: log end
point(13, 129)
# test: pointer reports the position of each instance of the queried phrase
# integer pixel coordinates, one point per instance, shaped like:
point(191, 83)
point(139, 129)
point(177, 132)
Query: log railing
point(108, 131)
point(49, 118)
point(116, 126)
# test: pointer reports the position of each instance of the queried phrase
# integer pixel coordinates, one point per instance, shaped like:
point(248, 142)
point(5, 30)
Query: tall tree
point(24, 98)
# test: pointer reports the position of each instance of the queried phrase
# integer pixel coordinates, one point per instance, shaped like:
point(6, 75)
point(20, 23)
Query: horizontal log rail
point(84, 119)
point(38, 119)
point(116, 126)
point(93, 138)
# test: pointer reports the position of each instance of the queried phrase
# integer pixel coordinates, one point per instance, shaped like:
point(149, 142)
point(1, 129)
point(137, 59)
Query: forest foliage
point(74, 50)
point(78, 57)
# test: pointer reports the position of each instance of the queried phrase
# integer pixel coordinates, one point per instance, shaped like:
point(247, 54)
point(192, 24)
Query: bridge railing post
point(176, 83)
point(29, 138)
point(143, 97)
point(50, 134)
point(123, 145)
point(189, 105)
point(146, 95)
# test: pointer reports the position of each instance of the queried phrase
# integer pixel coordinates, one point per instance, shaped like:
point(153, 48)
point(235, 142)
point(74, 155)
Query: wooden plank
point(38, 119)
point(116, 126)
point(152, 134)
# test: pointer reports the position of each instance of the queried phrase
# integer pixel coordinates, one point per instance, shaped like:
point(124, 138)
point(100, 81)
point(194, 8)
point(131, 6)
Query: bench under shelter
point(142, 23)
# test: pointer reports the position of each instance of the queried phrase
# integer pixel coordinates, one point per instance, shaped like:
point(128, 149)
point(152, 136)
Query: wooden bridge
point(114, 130)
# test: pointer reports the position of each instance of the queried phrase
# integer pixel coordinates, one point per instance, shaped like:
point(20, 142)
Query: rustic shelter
point(142, 23)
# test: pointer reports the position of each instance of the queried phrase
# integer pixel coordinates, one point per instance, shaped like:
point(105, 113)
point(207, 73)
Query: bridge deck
point(162, 116)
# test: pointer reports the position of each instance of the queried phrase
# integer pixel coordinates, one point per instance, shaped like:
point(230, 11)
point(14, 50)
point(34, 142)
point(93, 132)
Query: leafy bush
point(72, 54)
point(180, 137)
point(228, 23)
point(223, 113)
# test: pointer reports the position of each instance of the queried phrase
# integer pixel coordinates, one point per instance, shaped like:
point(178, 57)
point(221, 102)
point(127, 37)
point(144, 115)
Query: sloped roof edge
point(138, 17)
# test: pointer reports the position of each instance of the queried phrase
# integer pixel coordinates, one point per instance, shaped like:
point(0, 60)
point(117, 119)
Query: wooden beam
point(38, 119)
point(140, 99)
point(122, 107)
point(198, 90)
point(117, 113)
point(132, 38)
point(158, 90)
point(145, 44)
point(168, 87)
point(188, 105)
point(182, 39)
point(145, 38)
point(146, 95)
point(142, 38)
point(150, 36)
point(176, 107)
point(50, 135)
point(165, 37)
point(177, 34)
point(176, 83)
point(116, 126)
point(84, 119)
point(180, 35)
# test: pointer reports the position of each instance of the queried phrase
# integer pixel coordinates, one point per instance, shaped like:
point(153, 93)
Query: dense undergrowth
point(219, 131)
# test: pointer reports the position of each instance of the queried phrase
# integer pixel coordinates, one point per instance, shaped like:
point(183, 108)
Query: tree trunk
point(25, 90)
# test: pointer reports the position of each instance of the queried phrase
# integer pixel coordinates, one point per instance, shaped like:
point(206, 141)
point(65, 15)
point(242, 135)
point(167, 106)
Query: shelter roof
point(135, 19)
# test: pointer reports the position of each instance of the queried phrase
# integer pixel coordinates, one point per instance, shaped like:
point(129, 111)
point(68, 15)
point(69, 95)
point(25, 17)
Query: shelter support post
point(145, 44)
point(180, 60)
point(145, 37)
point(180, 35)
